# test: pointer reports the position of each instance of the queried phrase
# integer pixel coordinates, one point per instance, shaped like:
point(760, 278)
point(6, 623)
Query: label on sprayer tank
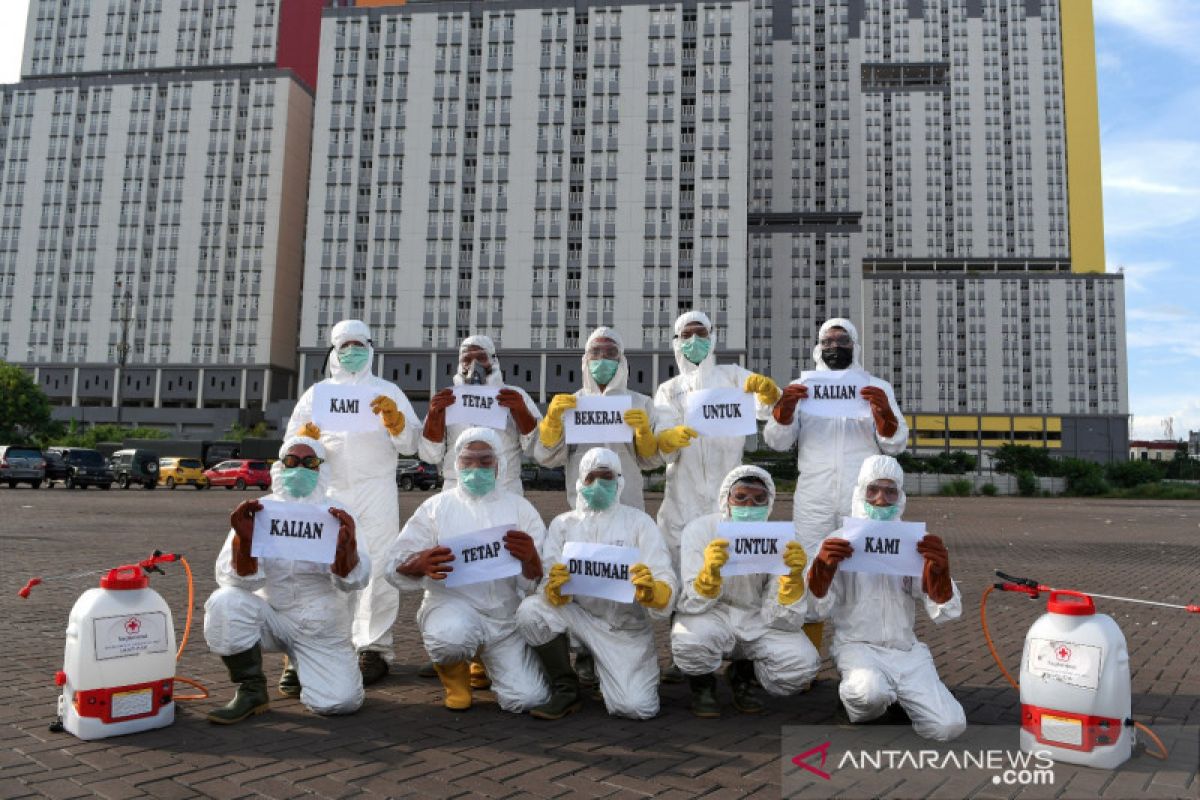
point(130, 634)
point(1066, 662)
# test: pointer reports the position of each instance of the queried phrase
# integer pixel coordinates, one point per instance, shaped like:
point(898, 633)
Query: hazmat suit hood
point(485, 343)
point(694, 373)
point(619, 381)
point(490, 437)
point(350, 330)
point(319, 494)
point(598, 458)
point(873, 469)
point(739, 473)
point(851, 331)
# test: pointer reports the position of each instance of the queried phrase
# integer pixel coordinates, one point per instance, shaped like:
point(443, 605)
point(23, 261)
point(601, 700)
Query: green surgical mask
point(600, 494)
point(696, 349)
point(354, 357)
point(749, 513)
point(603, 370)
point(478, 481)
point(299, 481)
point(884, 514)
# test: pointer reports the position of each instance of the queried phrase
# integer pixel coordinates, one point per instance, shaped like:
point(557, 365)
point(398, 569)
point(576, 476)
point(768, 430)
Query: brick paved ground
point(403, 743)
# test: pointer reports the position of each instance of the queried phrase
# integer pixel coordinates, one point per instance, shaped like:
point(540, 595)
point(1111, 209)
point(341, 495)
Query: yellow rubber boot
point(479, 676)
point(456, 679)
point(814, 631)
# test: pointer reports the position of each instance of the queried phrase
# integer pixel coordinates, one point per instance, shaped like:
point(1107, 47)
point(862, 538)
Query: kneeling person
point(298, 607)
point(456, 623)
point(880, 660)
point(619, 635)
point(753, 620)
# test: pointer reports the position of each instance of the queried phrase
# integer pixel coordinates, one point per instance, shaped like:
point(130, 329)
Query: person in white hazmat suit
point(753, 620)
point(362, 474)
point(874, 648)
point(298, 607)
point(477, 363)
point(830, 450)
point(458, 623)
point(621, 635)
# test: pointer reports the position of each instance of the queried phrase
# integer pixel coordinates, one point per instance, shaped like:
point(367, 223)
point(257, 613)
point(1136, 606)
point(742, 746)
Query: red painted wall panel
point(300, 38)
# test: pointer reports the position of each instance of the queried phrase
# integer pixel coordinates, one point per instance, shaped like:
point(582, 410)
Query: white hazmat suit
point(879, 658)
point(457, 623)
point(297, 607)
point(620, 635)
point(746, 620)
point(362, 473)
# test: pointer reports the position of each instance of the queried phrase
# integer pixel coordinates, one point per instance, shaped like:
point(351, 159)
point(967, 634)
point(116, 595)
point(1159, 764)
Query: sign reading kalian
point(345, 408)
point(477, 405)
point(480, 556)
point(598, 419)
point(885, 548)
point(836, 393)
point(599, 570)
point(756, 548)
point(725, 411)
point(295, 531)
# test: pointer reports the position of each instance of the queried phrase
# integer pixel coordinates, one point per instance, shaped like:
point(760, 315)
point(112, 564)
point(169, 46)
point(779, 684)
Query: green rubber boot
point(289, 681)
point(741, 680)
point(585, 668)
point(704, 696)
point(564, 684)
point(245, 669)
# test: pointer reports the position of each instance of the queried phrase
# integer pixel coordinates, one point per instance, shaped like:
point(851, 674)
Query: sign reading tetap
point(480, 556)
point(477, 405)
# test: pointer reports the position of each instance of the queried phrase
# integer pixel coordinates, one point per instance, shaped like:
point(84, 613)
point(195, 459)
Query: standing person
point(874, 647)
point(620, 634)
point(362, 475)
point(478, 619)
point(298, 607)
point(830, 450)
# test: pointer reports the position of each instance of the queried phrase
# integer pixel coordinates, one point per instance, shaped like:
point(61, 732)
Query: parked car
point(178, 471)
point(21, 465)
point(85, 468)
point(413, 474)
point(221, 451)
point(238, 473)
point(56, 467)
point(535, 476)
point(135, 466)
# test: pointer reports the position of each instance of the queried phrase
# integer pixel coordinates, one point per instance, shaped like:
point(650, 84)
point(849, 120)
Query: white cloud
point(1168, 23)
point(1150, 185)
point(1151, 410)
point(12, 38)
point(1138, 274)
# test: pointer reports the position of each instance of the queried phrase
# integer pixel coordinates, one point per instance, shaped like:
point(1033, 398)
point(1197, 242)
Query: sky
point(1148, 70)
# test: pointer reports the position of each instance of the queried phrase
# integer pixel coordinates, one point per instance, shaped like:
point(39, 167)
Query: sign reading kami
point(477, 405)
point(726, 411)
point(345, 408)
point(598, 419)
point(884, 548)
point(599, 570)
point(479, 557)
point(836, 393)
point(756, 548)
point(295, 531)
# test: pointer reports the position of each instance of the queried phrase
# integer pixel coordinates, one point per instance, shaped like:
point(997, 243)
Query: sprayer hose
point(187, 630)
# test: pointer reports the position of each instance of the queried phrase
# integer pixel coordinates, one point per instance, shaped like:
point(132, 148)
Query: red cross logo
point(1063, 653)
point(801, 760)
point(132, 625)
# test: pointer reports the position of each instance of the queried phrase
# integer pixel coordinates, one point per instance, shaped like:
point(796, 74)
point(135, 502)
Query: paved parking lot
point(402, 743)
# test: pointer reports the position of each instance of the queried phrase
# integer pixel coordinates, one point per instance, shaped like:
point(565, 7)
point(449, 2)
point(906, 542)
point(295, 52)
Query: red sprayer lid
point(1079, 604)
point(129, 576)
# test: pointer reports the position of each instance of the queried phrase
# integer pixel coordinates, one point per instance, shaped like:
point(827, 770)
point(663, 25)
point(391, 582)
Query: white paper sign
point(479, 557)
point(599, 570)
point(130, 634)
point(1066, 662)
point(721, 412)
point(883, 548)
point(836, 393)
point(295, 531)
point(756, 548)
point(477, 405)
point(344, 408)
point(598, 419)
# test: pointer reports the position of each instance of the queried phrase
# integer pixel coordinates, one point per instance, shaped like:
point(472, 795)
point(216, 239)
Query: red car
point(238, 473)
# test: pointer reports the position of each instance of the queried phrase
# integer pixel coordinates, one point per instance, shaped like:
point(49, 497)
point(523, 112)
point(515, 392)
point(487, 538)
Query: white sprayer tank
point(1075, 688)
point(119, 664)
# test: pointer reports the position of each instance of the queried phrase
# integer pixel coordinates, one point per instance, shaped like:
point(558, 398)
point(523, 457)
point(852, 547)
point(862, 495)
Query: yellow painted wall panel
point(1027, 424)
point(1085, 203)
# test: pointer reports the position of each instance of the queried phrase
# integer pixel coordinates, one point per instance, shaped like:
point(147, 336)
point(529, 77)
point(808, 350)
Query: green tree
point(24, 408)
point(76, 435)
point(237, 432)
point(1015, 458)
point(1127, 474)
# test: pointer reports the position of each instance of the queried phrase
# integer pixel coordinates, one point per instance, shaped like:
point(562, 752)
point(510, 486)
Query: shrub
point(1027, 484)
point(1127, 474)
point(989, 490)
point(1084, 478)
point(956, 488)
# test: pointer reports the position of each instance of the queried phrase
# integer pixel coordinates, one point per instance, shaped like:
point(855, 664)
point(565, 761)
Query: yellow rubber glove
point(647, 591)
point(309, 430)
point(644, 443)
point(764, 388)
point(791, 586)
point(708, 581)
point(673, 439)
point(551, 430)
point(393, 420)
point(554, 583)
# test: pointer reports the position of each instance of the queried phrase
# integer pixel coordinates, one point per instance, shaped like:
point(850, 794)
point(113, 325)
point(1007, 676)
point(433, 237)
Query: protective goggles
point(836, 341)
point(889, 493)
point(749, 496)
point(308, 462)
